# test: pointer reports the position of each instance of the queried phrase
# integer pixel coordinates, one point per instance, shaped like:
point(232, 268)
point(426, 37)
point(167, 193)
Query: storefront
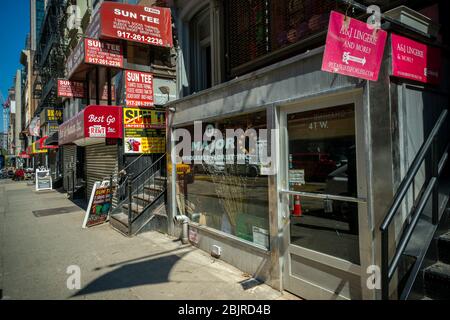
point(114, 64)
point(91, 141)
point(307, 222)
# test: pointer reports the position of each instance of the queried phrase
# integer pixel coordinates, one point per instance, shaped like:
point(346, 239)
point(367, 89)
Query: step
point(120, 217)
point(444, 248)
point(119, 222)
point(135, 208)
point(163, 179)
point(143, 199)
point(437, 281)
point(154, 188)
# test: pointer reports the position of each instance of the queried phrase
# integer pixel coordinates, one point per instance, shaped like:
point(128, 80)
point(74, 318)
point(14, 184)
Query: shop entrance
point(323, 195)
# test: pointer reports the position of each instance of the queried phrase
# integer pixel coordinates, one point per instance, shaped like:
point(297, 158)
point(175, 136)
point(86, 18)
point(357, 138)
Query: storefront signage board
point(148, 25)
point(352, 48)
point(144, 130)
point(99, 205)
point(71, 89)
point(43, 180)
point(103, 53)
point(138, 89)
point(415, 61)
point(51, 115)
point(92, 122)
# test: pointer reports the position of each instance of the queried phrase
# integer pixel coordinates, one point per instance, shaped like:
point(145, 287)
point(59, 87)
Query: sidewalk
point(35, 253)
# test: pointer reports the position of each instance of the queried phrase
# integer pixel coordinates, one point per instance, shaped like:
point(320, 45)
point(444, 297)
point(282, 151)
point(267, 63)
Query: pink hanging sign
point(352, 49)
point(415, 61)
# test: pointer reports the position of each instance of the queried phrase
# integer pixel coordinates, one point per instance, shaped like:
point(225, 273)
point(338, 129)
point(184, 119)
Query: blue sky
point(15, 17)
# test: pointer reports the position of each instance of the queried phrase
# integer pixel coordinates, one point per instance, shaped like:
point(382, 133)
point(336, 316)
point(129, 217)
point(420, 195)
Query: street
point(36, 252)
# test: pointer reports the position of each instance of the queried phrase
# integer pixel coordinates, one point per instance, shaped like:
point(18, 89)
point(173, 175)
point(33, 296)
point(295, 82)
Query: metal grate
point(56, 211)
point(294, 20)
point(258, 27)
point(248, 26)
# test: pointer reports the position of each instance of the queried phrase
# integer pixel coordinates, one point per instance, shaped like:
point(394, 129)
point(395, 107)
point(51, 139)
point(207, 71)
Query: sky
point(15, 17)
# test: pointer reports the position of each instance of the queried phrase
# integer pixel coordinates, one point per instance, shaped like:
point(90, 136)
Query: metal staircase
point(417, 265)
point(140, 198)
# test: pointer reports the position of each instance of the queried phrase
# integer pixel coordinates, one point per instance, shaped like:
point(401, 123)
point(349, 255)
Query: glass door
point(322, 199)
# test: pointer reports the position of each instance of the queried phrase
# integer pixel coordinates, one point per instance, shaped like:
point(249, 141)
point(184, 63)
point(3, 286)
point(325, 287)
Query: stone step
point(437, 281)
point(444, 248)
point(119, 222)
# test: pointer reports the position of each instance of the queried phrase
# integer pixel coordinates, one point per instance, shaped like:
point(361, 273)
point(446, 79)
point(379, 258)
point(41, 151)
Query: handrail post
point(73, 184)
point(112, 191)
point(385, 265)
point(435, 174)
point(130, 201)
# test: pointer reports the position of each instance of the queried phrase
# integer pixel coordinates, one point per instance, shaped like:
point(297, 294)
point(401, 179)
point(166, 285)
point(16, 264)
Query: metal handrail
point(324, 196)
point(149, 168)
point(388, 268)
point(132, 162)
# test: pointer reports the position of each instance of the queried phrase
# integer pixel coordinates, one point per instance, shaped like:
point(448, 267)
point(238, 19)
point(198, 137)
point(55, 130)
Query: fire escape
point(50, 55)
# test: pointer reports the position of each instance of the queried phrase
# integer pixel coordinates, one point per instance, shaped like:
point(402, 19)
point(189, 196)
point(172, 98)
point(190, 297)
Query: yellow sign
point(35, 149)
point(54, 115)
point(144, 130)
point(181, 168)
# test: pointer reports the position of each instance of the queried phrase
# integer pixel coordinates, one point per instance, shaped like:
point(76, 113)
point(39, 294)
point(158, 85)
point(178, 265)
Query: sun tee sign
point(352, 48)
point(149, 25)
point(139, 89)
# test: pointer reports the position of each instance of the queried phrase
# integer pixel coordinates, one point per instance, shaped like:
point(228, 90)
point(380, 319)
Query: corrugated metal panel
point(69, 158)
point(101, 162)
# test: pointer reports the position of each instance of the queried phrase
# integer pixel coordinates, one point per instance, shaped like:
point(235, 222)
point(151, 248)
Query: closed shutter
point(101, 163)
point(69, 158)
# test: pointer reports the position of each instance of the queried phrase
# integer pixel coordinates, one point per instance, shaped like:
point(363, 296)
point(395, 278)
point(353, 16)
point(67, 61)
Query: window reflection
point(229, 196)
point(322, 159)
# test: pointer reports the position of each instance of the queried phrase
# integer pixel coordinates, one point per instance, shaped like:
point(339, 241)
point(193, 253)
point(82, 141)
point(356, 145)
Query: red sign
point(415, 61)
point(139, 89)
point(103, 53)
point(149, 25)
point(92, 122)
point(352, 49)
point(71, 89)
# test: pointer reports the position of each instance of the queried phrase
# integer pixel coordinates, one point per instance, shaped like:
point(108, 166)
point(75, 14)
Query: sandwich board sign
point(99, 204)
point(43, 180)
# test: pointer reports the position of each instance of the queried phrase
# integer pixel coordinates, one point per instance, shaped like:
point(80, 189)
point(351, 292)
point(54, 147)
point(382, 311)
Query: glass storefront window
point(226, 195)
point(322, 160)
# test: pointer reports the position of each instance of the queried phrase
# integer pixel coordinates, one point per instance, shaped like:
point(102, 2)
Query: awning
point(90, 53)
point(92, 125)
point(52, 140)
point(42, 143)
